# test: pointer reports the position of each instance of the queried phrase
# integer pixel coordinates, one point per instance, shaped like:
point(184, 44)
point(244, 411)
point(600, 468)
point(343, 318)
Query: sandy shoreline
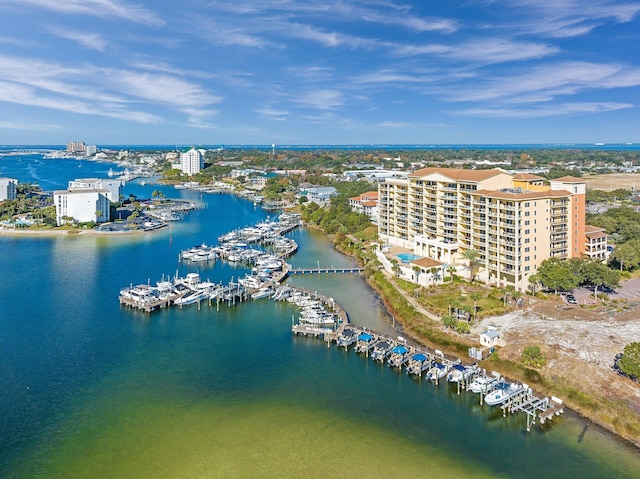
point(62, 232)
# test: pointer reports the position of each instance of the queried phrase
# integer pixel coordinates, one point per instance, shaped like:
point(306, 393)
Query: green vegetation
point(558, 275)
point(532, 356)
point(477, 301)
point(629, 363)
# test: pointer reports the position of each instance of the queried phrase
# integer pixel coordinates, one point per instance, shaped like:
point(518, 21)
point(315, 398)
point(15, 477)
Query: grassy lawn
point(489, 302)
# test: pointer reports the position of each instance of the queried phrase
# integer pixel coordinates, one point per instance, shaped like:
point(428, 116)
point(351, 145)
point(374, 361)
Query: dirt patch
point(612, 182)
point(580, 344)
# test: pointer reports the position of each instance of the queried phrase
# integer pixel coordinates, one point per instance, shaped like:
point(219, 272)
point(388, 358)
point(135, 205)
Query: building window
point(526, 223)
point(526, 232)
point(526, 258)
point(526, 268)
point(526, 213)
point(526, 250)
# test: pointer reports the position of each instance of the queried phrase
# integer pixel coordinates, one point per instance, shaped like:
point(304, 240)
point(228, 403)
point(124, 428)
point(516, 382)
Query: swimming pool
point(407, 257)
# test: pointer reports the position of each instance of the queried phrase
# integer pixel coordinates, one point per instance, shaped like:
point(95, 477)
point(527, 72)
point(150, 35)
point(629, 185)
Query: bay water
point(91, 389)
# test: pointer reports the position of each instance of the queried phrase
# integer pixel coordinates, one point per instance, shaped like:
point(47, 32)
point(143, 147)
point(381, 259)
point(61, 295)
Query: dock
point(333, 270)
point(417, 359)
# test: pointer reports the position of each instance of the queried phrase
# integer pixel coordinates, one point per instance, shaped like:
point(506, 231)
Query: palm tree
point(471, 255)
point(452, 271)
point(416, 270)
point(395, 267)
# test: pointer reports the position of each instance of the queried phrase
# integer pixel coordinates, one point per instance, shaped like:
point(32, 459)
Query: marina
point(433, 366)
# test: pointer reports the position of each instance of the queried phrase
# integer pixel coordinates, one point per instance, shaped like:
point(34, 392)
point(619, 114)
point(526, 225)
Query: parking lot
point(629, 289)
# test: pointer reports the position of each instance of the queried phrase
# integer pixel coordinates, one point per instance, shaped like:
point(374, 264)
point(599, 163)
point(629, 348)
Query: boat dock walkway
point(418, 359)
point(292, 270)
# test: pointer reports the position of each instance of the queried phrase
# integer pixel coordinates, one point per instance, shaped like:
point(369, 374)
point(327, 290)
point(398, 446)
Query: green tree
point(557, 275)
point(471, 255)
point(627, 255)
point(395, 267)
point(629, 363)
point(450, 321)
point(597, 274)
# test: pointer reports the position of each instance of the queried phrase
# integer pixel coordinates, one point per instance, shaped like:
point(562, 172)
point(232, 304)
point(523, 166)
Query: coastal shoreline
point(609, 427)
point(88, 232)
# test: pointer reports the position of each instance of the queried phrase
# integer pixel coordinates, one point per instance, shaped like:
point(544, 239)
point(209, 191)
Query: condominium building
point(76, 147)
point(82, 205)
point(111, 186)
point(514, 222)
point(191, 162)
point(8, 189)
point(366, 203)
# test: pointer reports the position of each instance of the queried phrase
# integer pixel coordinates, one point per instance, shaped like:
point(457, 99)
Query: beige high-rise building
point(514, 222)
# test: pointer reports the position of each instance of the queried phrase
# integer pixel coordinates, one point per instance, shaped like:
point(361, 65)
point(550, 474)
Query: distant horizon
point(346, 146)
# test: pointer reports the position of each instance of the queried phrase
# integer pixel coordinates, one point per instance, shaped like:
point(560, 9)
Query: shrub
point(533, 357)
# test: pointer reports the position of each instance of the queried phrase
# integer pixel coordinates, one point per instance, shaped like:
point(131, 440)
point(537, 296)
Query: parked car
point(571, 299)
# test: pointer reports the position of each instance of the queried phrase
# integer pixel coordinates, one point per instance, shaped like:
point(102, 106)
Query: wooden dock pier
point(333, 270)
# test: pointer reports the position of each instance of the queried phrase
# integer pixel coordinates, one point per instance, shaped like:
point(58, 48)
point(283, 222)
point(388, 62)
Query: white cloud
point(88, 40)
point(325, 99)
point(103, 91)
point(28, 126)
point(562, 109)
point(273, 114)
point(550, 81)
point(98, 8)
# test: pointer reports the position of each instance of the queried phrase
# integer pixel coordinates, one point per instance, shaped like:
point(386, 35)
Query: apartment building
point(366, 203)
point(83, 205)
point(514, 222)
point(191, 162)
point(8, 189)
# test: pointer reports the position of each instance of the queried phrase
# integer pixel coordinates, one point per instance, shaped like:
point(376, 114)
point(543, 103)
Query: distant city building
point(82, 205)
point(76, 147)
point(8, 189)
point(191, 162)
point(320, 195)
point(91, 150)
point(373, 175)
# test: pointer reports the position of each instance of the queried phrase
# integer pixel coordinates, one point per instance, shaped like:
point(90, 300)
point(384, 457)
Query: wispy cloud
point(88, 40)
point(94, 90)
point(273, 113)
point(563, 109)
point(569, 18)
point(28, 126)
point(98, 8)
point(324, 99)
point(550, 81)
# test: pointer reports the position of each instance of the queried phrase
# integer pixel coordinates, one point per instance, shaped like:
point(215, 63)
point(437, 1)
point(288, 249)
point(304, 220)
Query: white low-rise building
point(8, 189)
point(83, 205)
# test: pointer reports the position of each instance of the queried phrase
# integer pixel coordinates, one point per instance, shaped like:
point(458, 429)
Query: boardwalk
point(292, 270)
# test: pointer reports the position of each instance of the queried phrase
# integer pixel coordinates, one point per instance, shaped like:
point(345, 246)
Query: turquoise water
point(407, 257)
point(93, 390)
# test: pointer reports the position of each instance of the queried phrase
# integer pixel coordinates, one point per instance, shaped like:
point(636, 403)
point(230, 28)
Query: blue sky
point(319, 71)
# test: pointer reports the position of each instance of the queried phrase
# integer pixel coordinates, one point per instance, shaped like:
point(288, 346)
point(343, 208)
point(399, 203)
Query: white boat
point(262, 293)
point(482, 383)
point(460, 373)
point(381, 350)
point(501, 392)
point(437, 371)
point(191, 298)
